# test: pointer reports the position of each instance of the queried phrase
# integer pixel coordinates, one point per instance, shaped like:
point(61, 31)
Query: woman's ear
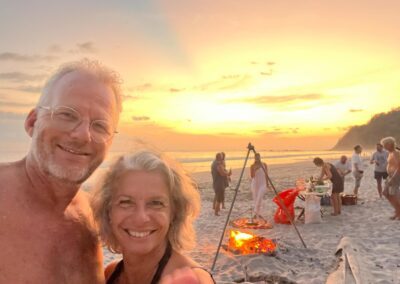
point(30, 122)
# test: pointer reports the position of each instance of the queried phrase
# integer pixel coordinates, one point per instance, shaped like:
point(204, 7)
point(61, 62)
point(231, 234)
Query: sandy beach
point(368, 238)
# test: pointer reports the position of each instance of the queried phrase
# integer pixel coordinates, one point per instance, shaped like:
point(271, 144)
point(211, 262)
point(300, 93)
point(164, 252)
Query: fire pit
point(247, 243)
point(248, 223)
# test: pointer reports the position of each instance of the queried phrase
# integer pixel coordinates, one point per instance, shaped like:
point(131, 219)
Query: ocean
point(196, 161)
point(201, 161)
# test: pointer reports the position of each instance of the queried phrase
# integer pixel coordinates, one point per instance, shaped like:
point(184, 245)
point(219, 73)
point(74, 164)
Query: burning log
point(246, 243)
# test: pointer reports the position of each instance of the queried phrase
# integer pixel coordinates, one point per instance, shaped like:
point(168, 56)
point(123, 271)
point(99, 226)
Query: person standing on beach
point(357, 167)
point(328, 171)
point(227, 178)
point(379, 158)
point(392, 185)
point(219, 175)
point(48, 232)
point(343, 166)
point(259, 182)
point(214, 173)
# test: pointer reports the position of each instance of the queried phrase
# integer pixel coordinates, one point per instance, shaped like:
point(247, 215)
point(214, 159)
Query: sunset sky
point(202, 75)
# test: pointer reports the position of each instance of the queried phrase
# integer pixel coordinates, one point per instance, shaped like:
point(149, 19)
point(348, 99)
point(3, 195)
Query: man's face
point(343, 159)
point(358, 150)
point(72, 156)
point(379, 148)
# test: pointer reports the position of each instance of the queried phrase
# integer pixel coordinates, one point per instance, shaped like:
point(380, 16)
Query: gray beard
point(71, 175)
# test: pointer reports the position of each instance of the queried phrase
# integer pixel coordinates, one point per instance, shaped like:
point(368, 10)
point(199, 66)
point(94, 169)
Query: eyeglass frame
point(52, 109)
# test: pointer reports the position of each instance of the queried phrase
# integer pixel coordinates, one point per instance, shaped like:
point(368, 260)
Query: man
point(379, 158)
point(343, 166)
point(392, 186)
point(214, 174)
point(357, 168)
point(47, 233)
point(219, 175)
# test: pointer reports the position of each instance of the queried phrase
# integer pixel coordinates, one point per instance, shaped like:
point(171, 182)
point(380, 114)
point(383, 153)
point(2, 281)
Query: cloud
point(141, 88)
point(344, 128)
point(26, 88)
point(130, 97)
point(268, 132)
point(277, 131)
point(356, 110)
point(233, 76)
point(140, 118)
point(226, 82)
point(20, 77)
point(175, 90)
point(86, 47)
point(55, 48)
point(286, 99)
point(12, 56)
point(7, 103)
point(269, 73)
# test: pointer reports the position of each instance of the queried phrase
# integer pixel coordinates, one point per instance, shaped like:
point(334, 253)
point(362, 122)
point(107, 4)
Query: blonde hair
point(183, 193)
point(93, 67)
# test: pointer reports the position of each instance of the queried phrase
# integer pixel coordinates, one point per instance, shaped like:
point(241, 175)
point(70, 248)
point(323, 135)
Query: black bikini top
point(161, 265)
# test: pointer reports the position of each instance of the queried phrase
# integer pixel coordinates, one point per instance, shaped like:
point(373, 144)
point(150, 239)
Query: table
point(323, 191)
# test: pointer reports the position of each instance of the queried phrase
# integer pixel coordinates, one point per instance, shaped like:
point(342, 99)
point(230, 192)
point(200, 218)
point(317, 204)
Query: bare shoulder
point(10, 177)
point(179, 261)
point(10, 170)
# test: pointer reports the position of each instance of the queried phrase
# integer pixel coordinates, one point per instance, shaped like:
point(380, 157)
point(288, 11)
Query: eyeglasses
point(67, 119)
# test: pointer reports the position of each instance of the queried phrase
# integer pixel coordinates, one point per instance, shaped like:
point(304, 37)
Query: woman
point(144, 208)
point(258, 183)
point(328, 171)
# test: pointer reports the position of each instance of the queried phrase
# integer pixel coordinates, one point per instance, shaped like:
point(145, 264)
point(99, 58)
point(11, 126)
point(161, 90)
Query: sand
point(368, 241)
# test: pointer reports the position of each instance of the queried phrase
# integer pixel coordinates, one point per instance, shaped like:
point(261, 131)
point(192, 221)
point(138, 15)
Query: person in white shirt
point(379, 158)
point(357, 167)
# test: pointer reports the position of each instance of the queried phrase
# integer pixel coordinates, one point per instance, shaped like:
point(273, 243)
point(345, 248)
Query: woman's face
point(141, 212)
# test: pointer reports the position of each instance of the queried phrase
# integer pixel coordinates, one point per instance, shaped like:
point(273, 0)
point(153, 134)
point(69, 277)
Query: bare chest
point(393, 164)
point(44, 247)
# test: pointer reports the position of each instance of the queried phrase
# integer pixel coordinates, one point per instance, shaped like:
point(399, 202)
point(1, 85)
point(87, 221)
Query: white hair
point(93, 67)
point(388, 140)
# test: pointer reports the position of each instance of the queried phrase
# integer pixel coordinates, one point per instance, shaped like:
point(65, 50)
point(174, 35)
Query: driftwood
point(351, 268)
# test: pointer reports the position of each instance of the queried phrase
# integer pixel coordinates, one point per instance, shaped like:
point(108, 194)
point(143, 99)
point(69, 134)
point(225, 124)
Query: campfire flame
point(246, 243)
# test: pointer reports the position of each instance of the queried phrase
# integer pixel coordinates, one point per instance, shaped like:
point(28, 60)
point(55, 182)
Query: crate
point(349, 199)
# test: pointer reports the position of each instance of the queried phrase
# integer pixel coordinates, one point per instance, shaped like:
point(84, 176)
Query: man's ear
point(30, 122)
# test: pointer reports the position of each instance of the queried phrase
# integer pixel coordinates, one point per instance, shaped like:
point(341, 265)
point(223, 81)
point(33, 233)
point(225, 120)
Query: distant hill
point(380, 126)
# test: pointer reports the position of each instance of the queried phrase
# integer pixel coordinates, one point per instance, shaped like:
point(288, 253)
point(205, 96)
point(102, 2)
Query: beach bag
point(326, 200)
point(288, 197)
point(312, 209)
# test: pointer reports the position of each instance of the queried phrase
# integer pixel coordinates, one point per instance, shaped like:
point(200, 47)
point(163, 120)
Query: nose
point(82, 131)
point(141, 214)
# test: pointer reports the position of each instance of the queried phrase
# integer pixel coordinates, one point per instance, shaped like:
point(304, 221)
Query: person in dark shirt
point(328, 171)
